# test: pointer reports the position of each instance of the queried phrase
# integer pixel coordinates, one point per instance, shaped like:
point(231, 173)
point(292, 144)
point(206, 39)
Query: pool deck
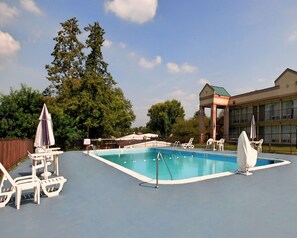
point(100, 201)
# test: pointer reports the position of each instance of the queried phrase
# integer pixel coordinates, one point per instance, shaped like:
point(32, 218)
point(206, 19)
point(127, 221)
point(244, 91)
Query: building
point(274, 109)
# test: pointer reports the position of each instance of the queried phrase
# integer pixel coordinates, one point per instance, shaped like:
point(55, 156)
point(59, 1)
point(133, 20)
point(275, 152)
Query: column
point(201, 124)
point(213, 118)
point(226, 123)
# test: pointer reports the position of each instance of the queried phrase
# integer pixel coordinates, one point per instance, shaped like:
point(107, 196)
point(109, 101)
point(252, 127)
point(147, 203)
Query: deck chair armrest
point(26, 179)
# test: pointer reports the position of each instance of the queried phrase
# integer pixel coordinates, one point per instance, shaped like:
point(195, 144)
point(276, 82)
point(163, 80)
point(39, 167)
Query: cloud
point(174, 68)
point(293, 37)
point(136, 11)
point(187, 100)
point(30, 6)
point(7, 13)
point(122, 45)
point(150, 64)
point(188, 68)
point(8, 45)
point(107, 43)
point(203, 81)
point(261, 80)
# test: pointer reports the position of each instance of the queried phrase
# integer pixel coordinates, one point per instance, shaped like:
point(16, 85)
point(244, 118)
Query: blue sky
point(157, 50)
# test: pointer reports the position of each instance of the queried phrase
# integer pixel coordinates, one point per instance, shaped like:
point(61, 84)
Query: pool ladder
point(159, 157)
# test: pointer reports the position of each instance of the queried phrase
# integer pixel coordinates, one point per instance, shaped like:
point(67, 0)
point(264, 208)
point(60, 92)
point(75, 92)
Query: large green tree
point(67, 67)
point(164, 115)
point(83, 86)
point(19, 113)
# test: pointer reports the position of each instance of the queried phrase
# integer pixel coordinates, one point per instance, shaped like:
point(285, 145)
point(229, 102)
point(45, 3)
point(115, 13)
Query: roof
point(286, 71)
point(220, 91)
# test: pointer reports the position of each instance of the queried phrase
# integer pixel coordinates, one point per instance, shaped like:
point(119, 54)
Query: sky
point(157, 50)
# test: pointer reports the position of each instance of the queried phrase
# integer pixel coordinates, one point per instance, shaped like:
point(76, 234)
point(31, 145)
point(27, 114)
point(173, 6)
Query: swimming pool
point(174, 166)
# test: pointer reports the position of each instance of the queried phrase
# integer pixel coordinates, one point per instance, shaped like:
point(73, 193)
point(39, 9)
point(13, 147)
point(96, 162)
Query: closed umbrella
point(253, 133)
point(44, 134)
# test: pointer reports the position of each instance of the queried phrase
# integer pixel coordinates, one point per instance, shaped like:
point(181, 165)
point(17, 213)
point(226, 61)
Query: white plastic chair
point(259, 145)
point(220, 144)
point(189, 144)
point(19, 184)
point(209, 143)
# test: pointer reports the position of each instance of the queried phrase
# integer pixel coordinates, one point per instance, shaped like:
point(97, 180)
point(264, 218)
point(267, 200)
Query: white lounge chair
point(50, 186)
point(6, 192)
point(189, 144)
point(18, 185)
point(209, 143)
point(246, 154)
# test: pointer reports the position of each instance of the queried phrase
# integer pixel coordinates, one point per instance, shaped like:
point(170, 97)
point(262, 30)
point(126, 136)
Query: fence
point(13, 151)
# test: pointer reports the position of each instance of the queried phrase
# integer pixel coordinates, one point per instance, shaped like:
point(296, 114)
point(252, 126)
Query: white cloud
point(137, 11)
point(261, 80)
point(132, 54)
point(30, 6)
point(188, 101)
point(188, 68)
point(122, 45)
point(8, 45)
point(293, 37)
point(7, 13)
point(150, 64)
point(107, 43)
point(203, 81)
point(173, 68)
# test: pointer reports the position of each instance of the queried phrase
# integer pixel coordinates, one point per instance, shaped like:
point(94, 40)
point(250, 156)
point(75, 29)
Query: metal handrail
point(159, 155)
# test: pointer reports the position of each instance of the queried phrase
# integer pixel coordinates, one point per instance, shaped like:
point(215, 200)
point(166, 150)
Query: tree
point(164, 115)
point(19, 113)
point(85, 90)
point(67, 66)
point(183, 130)
point(103, 110)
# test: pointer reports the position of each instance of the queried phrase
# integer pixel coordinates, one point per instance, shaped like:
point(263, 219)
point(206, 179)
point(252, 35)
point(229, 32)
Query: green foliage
point(164, 115)
point(183, 130)
point(86, 91)
point(82, 97)
point(68, 58)
point(19, 113)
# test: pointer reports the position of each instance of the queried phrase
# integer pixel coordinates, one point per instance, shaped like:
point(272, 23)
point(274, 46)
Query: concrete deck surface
point(100, 201)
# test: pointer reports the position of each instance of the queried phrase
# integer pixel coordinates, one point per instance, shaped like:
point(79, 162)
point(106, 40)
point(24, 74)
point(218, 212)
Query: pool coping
point(148, 180)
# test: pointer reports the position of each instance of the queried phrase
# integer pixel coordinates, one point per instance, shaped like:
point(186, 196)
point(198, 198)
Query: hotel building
point(274, 109)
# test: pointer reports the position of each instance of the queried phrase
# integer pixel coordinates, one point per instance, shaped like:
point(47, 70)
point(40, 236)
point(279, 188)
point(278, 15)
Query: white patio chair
point(209, 143)
point(189, 144)
point(220, 144)
point(5, 192)
point(259, 145)
point(19, 184)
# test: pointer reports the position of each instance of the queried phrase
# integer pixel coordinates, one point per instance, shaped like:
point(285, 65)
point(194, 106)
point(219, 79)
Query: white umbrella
point(44, 133)
point(253, 133)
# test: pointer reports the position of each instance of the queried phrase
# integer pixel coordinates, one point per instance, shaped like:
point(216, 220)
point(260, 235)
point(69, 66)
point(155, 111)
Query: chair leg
point(37, 194)
point(18, 196)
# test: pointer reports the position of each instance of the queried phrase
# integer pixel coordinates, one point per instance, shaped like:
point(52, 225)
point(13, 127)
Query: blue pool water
point(175, 164)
